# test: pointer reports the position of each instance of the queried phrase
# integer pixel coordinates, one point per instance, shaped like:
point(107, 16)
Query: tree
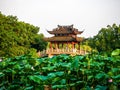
point(107, 39)
point(39, 43)
point(16, 37)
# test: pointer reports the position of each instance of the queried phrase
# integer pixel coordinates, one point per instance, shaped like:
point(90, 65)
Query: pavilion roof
point(65, 30)
point(64, 38)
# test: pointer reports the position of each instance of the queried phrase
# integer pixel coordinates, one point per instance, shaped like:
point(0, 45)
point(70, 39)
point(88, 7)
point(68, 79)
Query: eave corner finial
point(71, 26)
point(58, 25)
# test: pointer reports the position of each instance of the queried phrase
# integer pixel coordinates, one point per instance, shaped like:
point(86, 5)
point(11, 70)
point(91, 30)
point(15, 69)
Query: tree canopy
point(107, 39)
point(17, 37)
point(39, 43)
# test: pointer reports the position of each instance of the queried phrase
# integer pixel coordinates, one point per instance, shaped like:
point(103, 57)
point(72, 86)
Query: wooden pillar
point(67, 46)
point(62, 45)
point(56, 47)
point(79, 48)
point(53, 45)
point(78, 45)
point(72, 45)
point(50, 46)
point(50, 50)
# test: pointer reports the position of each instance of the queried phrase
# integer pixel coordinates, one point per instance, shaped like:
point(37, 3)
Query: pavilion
point(64, 41)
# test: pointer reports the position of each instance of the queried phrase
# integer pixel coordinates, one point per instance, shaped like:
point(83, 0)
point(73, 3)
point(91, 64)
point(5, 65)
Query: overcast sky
point(87, 15)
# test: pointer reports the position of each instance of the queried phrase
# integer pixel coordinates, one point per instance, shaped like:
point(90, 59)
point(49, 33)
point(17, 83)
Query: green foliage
point(16, 37)
point(39, 43)
point(116, 52)
point(107, 40)
point(87, 72)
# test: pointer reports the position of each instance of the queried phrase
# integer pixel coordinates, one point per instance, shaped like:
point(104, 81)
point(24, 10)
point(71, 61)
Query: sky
point(87, 15)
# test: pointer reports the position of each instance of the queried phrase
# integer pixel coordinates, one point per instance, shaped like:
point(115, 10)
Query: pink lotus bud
point(110, 80)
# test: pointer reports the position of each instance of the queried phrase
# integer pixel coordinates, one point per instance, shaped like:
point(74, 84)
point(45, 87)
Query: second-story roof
point(65, 30)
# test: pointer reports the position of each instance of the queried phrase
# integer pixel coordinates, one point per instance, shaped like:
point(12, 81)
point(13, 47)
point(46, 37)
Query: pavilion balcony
point(63, 51)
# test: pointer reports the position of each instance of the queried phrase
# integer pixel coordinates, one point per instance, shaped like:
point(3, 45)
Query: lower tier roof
point(63, 38)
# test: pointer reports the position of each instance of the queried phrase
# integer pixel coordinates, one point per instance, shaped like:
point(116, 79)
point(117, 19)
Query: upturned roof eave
point(58, 32)
point(58, 39)
point(53, 32)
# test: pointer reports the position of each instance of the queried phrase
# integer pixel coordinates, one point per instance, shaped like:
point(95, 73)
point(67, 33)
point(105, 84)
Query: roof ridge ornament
point(68, 29)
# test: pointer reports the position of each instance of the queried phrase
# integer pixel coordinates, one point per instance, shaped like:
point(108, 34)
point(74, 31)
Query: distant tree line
point(17, 37)
point(107, 39)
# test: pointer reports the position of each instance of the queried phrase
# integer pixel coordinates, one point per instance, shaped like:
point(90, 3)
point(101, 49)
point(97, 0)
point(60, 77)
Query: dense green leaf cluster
point(17, 38)
point(87, 72)
point(39, 43)
point(107, 39)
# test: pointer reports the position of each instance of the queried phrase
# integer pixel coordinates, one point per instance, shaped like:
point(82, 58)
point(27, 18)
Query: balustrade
point(65, 51)
point(61, 51)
